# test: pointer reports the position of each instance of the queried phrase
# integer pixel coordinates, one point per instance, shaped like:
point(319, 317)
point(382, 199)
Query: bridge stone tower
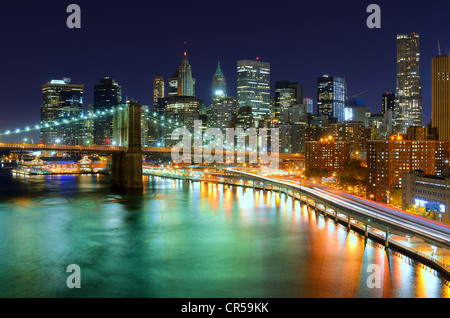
point(126, 167)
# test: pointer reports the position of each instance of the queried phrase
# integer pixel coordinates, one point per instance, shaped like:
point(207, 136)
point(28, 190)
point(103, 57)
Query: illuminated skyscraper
point(61, 100)
point(408, 97)
point(287, 94)
point(253, 87)
point(440, 106)
point(107, 94)
point(221, 112)
point(158, 88)
point(218, 85)
point(186, 83)
point(181, 83)
point(331, 97)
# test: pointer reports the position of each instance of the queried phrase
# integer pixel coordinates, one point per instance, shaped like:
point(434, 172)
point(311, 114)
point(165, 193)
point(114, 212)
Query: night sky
point(132, 40)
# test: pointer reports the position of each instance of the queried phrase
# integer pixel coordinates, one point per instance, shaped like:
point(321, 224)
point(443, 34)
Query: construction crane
point(360, 93)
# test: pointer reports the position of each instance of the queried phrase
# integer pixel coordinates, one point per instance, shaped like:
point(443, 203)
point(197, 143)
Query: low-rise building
point(422, 190)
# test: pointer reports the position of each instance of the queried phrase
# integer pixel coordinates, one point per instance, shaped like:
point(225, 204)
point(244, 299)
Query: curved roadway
point(428, 229)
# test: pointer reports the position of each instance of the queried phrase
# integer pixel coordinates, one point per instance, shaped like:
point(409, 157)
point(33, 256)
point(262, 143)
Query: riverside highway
point(375, 214)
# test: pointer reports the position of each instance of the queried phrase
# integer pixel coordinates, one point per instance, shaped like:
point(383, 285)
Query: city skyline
point(190, 148)
point(135, 68)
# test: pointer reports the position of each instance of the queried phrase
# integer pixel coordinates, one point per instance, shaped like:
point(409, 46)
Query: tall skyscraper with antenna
point(186, 83)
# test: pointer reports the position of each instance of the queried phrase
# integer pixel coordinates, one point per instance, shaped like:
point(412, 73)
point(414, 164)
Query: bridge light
point(37, 126)
point(17, 130)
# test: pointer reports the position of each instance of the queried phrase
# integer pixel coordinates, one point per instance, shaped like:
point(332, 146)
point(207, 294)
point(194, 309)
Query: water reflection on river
point(184, 239)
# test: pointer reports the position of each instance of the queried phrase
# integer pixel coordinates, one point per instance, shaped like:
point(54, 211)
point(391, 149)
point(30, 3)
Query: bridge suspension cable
point(162, 120)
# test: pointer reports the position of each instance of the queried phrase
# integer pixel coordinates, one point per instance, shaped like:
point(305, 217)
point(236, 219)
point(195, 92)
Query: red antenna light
point(184, 53)
point(257, 58)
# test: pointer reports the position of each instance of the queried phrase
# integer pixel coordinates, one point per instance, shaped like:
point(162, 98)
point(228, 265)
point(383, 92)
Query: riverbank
point(419, 251)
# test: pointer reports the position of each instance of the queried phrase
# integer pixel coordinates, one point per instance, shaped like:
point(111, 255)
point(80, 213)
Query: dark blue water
point(184, 239)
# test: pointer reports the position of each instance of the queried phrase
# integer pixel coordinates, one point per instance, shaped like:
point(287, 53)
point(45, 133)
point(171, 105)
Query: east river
point(185, 239)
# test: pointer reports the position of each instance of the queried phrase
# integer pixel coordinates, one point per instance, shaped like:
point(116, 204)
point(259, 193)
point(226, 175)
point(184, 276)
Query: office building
point(221, 112)
point(408, 96)
point(387, 102)
point(253, 87)
point(309, 105)
point(158, 88)
point(331, 95)
point(440, 106)
point(61, 100)
point(107, 94)
point(287, 94)
point(243, 118)
point(183, 110)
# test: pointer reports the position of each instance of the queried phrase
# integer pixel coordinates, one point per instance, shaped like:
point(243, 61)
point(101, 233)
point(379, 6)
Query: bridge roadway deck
point(116, 149)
